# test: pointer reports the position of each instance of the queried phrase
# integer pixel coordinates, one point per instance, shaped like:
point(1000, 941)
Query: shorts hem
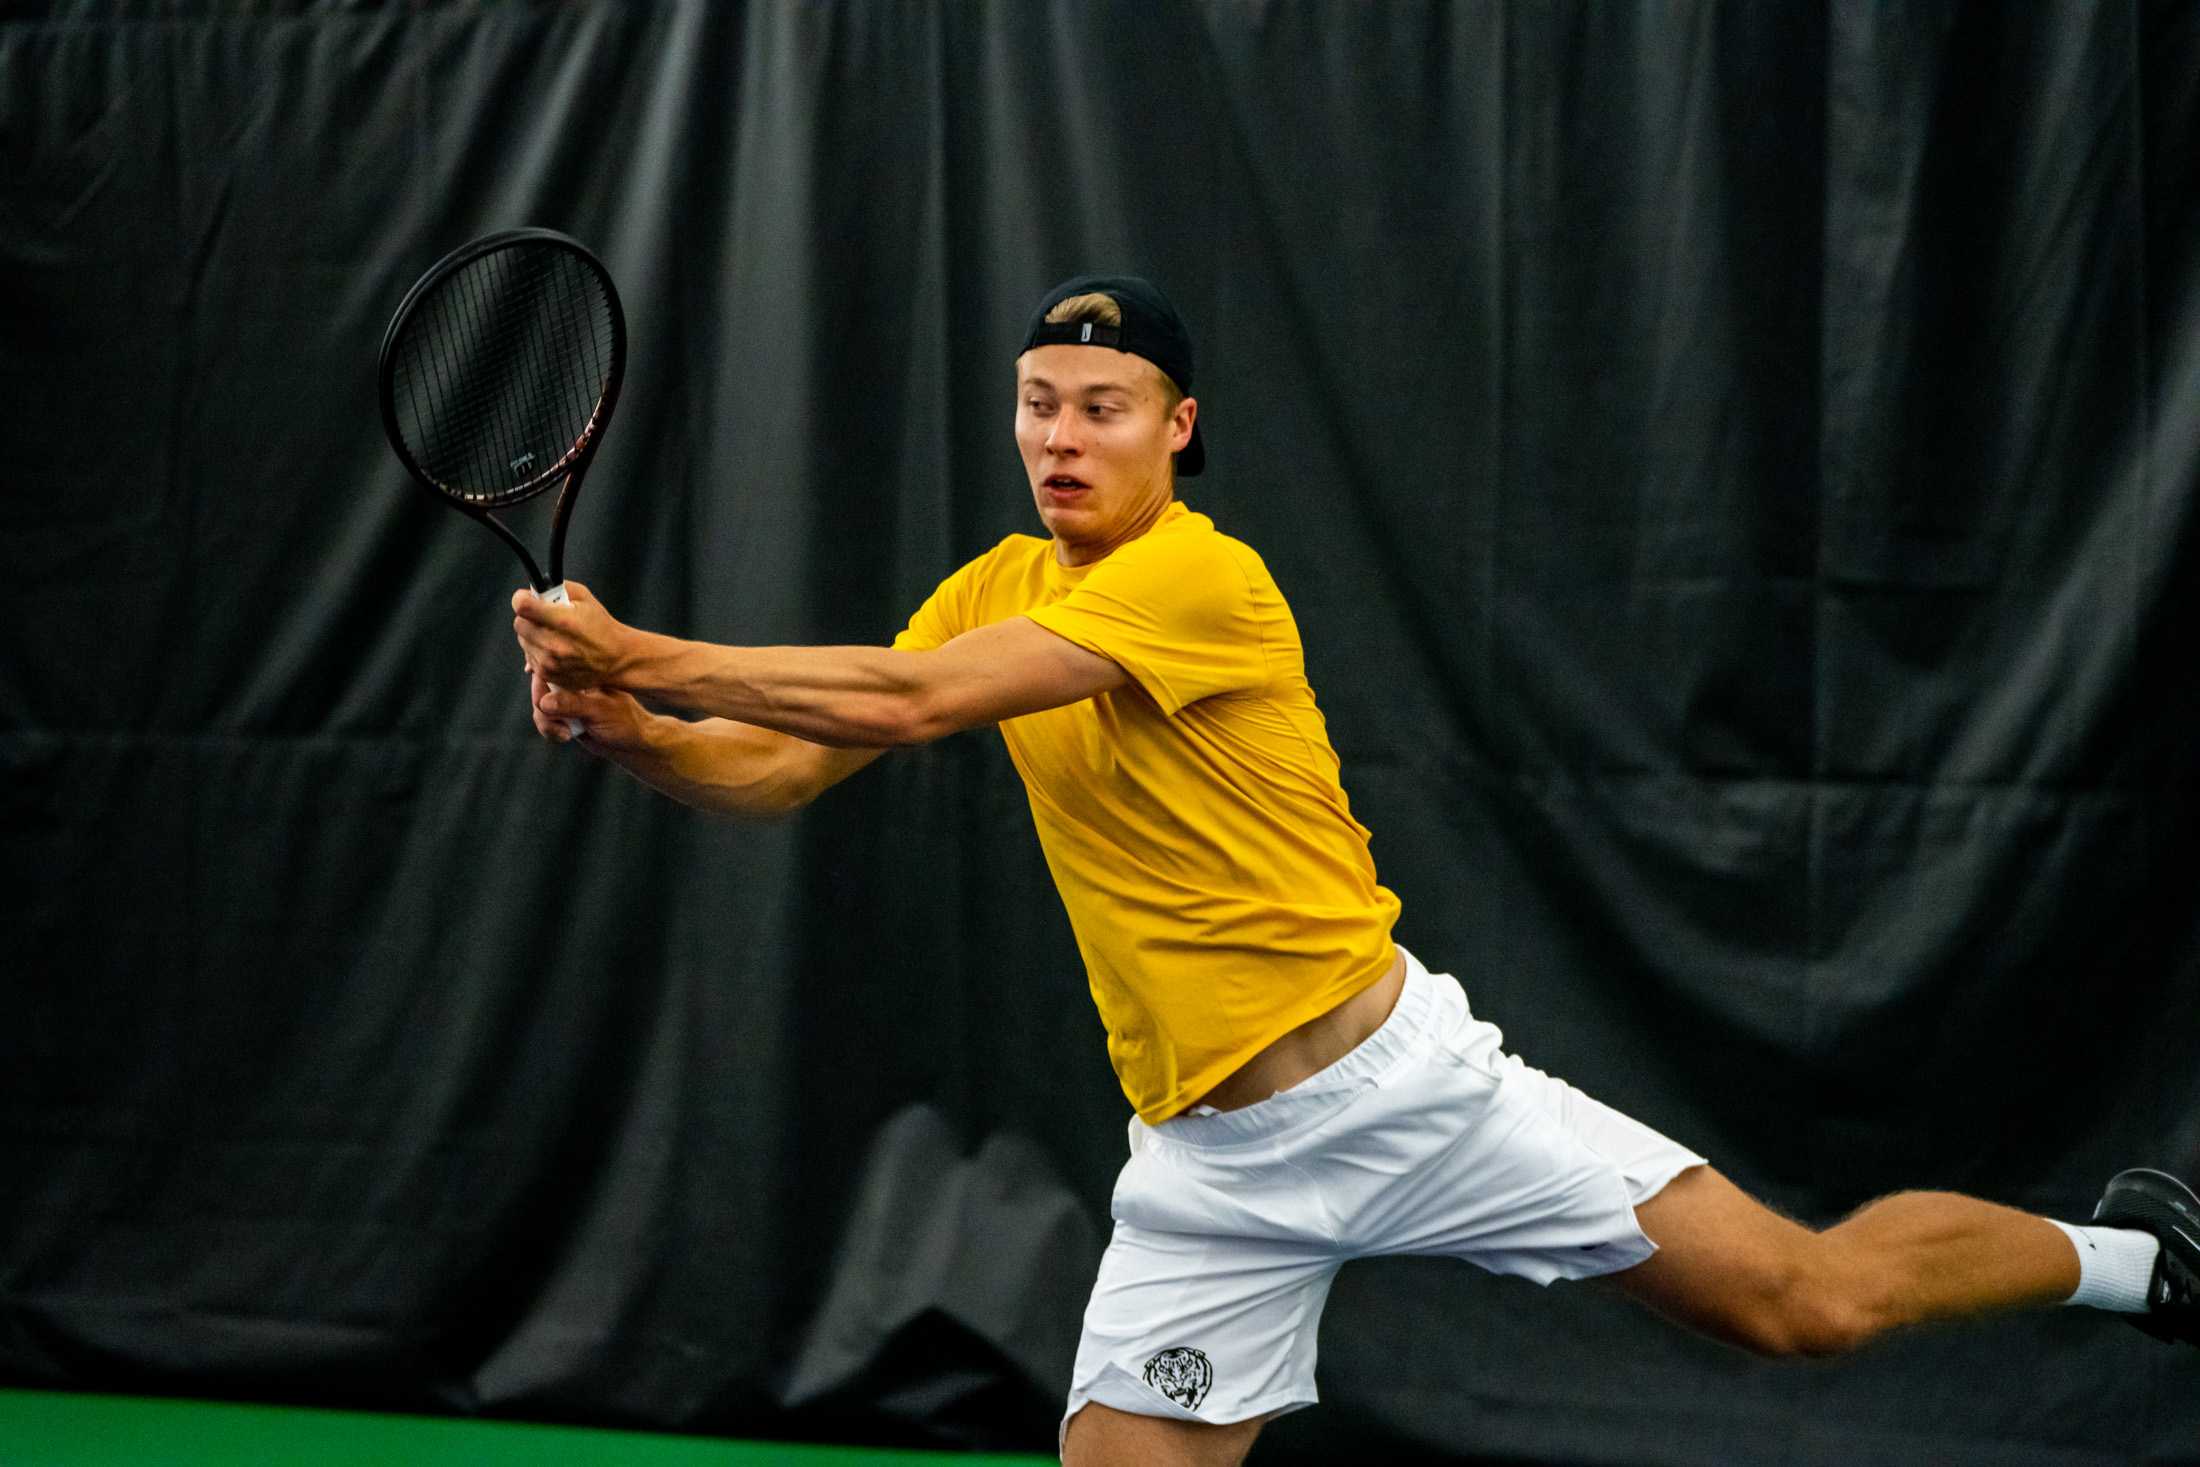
point(1657, 1182)
point(1663, 1176)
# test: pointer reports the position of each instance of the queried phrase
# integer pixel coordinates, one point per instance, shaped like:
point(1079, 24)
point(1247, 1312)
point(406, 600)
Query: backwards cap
point(1151, 329)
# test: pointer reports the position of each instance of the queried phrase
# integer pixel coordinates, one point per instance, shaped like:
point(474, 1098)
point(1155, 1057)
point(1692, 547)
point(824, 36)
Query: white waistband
point(1397, 1040)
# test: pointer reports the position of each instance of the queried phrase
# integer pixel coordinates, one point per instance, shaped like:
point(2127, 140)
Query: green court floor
point(57, 1429)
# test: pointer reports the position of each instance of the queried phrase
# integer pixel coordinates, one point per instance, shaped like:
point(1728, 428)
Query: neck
point(1093, 552)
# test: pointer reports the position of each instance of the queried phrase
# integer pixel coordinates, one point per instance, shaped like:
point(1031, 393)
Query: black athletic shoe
point(2158, 1203)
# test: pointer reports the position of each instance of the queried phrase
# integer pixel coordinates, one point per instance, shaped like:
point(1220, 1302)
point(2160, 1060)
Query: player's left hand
point(577, 645)
point(611, 722)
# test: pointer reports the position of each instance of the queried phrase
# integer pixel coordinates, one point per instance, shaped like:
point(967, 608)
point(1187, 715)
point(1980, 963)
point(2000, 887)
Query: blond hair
point(1101, 310)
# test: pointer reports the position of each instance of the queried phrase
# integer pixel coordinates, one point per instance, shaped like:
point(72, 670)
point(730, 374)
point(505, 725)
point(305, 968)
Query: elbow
point(883, 720)
point(927, 721)
point(904, 722)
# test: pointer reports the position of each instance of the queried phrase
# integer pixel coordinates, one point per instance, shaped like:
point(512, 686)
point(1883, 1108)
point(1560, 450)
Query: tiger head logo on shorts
point(1181, 1374)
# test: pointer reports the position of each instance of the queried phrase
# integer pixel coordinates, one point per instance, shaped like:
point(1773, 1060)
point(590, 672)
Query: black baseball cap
point(1151, 329)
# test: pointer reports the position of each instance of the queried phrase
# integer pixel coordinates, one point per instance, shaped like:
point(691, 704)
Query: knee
point(1804, 1310)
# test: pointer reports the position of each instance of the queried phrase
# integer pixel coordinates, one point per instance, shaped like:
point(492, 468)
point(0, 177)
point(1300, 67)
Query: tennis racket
point(498, 376)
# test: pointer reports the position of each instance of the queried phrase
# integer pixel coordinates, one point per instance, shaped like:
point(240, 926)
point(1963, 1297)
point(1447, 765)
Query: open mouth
point(1065, 483)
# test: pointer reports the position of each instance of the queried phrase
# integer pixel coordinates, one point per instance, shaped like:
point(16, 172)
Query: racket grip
point(556, 597)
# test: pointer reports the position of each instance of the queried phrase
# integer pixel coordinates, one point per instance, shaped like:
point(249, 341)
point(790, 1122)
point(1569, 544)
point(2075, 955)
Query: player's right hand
point(579, 642)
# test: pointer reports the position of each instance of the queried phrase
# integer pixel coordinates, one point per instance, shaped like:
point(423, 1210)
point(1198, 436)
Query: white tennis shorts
point(1426, 1139)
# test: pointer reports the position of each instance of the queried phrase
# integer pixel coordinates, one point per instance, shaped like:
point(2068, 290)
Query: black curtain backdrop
point(1735, 468)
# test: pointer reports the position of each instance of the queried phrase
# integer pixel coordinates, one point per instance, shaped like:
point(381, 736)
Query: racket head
point(501, 366)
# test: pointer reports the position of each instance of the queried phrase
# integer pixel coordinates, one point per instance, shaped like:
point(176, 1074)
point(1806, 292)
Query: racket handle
point(556, 597)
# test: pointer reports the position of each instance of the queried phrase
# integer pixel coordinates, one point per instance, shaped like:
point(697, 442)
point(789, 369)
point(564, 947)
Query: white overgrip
point(556, 597)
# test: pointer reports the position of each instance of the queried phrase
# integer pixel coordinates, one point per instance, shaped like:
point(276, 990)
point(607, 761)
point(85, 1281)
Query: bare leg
point(1101, 1436)
point(1733, 1268)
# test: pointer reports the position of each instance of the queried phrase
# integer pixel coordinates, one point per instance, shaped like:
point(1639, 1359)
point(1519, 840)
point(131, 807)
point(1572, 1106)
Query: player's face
point(1097, 433)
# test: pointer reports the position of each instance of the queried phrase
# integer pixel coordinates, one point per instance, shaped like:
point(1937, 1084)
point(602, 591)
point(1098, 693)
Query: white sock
point(2115, 1266)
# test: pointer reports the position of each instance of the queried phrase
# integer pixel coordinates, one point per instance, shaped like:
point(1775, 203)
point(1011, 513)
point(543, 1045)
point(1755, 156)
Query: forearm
point(723, 767)
point(846, 701)
point(844, 697)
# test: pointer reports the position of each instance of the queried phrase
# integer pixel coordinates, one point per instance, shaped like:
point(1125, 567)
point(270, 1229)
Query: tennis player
point(1306, 1091)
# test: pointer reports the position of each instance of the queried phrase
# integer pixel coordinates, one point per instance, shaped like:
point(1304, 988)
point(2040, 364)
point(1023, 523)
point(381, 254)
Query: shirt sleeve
point(1176, 612)
point(945, 614)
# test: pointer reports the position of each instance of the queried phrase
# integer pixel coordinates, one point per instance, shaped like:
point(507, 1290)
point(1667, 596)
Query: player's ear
point(1181, 420)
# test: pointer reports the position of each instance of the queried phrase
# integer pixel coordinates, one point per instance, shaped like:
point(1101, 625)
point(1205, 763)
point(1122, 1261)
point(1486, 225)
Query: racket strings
point(469, 354)
point(501, 371)
point(505, 422)
point(513, 360)
point(504, 331)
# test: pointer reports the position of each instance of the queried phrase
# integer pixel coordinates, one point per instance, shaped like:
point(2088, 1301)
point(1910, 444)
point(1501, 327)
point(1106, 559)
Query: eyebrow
point(1093, 390)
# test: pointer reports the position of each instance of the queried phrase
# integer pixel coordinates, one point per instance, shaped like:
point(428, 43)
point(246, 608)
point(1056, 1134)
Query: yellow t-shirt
point(1221, 892)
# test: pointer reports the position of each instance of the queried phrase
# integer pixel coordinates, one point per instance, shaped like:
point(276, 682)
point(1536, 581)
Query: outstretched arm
point(845, 697)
